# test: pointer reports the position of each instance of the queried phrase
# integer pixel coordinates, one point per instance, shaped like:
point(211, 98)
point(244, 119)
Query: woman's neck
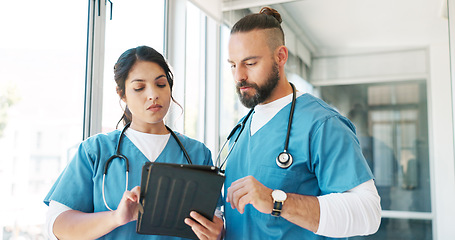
point(152, 128)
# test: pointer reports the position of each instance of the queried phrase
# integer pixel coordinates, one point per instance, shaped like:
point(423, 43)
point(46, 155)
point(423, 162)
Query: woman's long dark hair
point(124, 64)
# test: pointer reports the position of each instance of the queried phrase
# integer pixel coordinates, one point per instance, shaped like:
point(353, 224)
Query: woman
point(77, 207)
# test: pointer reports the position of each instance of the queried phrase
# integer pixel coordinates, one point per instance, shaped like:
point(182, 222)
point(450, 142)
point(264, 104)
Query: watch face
point(278, 195)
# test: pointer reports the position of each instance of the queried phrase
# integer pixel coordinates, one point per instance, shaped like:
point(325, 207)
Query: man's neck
point(282, 89)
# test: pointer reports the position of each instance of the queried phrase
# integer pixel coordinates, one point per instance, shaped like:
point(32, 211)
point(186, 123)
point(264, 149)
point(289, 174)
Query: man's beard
point(262, 92)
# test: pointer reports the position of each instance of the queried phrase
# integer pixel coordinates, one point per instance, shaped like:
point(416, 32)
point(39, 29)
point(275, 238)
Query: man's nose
point(240, 74)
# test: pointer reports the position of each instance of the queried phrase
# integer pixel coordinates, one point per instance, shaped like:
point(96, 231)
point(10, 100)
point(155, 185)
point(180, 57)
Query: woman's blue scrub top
point(79, 186)
point(327, 159)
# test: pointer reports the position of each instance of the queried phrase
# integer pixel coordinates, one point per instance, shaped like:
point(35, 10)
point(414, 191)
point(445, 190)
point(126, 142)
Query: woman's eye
point(161, 85)
point(138, 89)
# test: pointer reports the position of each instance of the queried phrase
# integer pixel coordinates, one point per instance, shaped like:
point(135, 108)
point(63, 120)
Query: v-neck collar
point(138, 152)
point(274, 116)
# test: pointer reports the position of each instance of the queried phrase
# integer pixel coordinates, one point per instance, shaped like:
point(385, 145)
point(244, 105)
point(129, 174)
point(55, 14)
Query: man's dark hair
point(267, 19)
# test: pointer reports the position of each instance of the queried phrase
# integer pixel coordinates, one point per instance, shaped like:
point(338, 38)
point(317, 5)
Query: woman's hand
point(203, 227)
point(128, 207)
point(73, 224)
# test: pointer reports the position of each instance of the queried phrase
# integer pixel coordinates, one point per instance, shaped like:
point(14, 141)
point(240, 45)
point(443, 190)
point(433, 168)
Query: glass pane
point(134, 23)
point(392, 127)
point(402, 229)
point(231, 110)
point(195, 69)
point(42, 59)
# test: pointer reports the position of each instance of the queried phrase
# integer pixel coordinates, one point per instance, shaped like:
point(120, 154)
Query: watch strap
point(277, 206)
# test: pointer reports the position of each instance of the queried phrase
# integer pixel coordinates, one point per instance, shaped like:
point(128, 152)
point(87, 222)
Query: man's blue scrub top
point(79, 186)
point(327, 159)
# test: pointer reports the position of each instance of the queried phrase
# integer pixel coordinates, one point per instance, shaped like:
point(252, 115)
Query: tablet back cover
point(169, 192)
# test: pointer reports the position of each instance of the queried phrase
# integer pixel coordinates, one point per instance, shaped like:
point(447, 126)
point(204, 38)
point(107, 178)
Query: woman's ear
point(121, 94)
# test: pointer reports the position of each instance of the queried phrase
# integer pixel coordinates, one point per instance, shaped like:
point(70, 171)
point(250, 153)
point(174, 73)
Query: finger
point(212, 228)
point(130, 196)
point(196, 227)
point(231, 192)
point(240, 183)
point(237, 195)
point(132, 200)
point(243, 201)
point(140, 208)
point(204, 227)
point(134, 194)
point(219, 225)
point(200, 219)
point(217, 220)
point(136, 191)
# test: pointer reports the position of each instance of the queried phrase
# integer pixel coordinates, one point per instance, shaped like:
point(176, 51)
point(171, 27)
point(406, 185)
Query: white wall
point(211, 7)
point(369, 67)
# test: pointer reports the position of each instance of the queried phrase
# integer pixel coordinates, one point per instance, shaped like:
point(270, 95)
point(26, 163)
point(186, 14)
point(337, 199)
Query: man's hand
point(248, 190)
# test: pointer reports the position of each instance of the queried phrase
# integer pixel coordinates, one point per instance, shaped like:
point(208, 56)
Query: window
point(392, 127)
point(231, 109)
point(42, 54)
point(195, 72)
point(134, 23)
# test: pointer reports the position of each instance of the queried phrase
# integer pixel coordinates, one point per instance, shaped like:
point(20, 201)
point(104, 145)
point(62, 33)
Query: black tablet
point(169, 192)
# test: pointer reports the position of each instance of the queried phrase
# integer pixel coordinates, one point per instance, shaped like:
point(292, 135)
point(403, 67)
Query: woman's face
point(147, 95)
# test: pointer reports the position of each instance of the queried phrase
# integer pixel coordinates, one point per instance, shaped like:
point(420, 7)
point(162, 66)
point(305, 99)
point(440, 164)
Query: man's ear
point(281, 55)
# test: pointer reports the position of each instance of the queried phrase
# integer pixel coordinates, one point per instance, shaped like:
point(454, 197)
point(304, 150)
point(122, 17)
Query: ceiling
point(336, 26)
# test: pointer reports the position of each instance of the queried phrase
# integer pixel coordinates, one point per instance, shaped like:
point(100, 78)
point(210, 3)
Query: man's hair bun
point(271, 12)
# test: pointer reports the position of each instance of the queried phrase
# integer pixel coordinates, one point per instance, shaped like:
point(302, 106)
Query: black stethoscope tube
point(241, 126)
point(119, 155)
point(284, 159)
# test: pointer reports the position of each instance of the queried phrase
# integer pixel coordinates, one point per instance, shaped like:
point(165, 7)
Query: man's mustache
point(246, 84)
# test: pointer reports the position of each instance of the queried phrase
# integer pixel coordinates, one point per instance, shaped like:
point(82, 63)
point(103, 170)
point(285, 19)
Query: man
point(328, 190)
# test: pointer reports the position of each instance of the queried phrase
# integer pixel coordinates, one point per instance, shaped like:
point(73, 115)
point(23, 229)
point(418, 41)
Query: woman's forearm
point(74, 224)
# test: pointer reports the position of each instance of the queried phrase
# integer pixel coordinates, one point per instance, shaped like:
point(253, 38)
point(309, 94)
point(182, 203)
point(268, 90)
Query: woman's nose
point(152, 95)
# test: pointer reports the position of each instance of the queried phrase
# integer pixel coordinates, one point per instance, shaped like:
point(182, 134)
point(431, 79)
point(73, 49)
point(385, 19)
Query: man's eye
point(251, 64)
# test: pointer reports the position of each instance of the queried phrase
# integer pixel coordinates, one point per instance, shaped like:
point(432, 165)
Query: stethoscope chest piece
point(284, 160)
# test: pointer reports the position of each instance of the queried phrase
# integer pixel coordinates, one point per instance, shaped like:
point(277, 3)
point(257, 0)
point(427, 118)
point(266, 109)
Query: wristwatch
point(278, 200)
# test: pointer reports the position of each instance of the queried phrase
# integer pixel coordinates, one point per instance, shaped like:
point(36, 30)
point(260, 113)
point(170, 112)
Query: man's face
point(254, 69)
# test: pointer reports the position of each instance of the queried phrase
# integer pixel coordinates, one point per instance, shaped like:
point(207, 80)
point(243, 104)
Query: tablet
point(169, 192)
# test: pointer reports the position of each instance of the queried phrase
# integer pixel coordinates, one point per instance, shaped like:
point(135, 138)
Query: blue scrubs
point(79, 186)
point(327, 159)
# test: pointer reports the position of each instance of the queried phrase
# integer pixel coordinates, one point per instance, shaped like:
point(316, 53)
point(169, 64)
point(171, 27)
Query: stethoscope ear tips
point(284, 160)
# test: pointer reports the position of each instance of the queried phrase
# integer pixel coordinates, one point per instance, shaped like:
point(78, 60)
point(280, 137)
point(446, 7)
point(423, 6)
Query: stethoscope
point(284, 159)
point(127, 165)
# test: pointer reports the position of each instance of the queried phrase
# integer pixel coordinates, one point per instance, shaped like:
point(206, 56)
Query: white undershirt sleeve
point(351, 213)
point(54, 210)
